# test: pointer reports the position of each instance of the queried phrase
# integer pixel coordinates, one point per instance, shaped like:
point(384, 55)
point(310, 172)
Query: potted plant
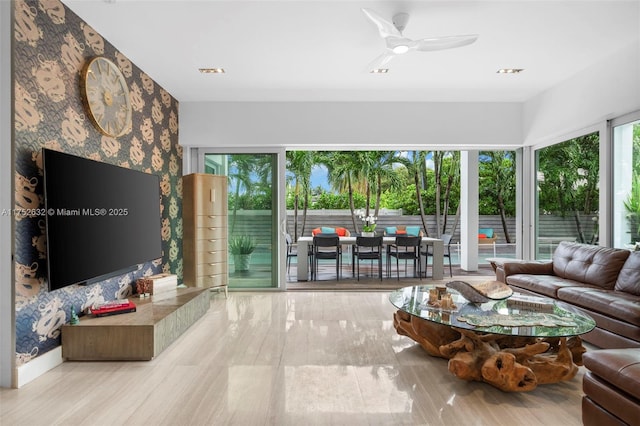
point(241, 248)
point(369, 224)
point(632, 204)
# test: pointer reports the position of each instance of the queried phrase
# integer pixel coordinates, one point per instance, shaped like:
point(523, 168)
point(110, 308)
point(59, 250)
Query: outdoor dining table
point(438, 254)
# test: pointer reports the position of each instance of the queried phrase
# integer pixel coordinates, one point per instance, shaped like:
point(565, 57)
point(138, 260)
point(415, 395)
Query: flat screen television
point(101, 220)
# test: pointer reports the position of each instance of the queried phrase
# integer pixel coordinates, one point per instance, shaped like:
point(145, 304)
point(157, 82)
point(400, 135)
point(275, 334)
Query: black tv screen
point(101, 220)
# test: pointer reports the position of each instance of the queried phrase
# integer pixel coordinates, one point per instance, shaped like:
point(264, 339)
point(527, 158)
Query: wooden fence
point(258, 224)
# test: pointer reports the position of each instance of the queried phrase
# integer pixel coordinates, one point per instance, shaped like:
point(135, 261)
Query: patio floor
point(369, 277)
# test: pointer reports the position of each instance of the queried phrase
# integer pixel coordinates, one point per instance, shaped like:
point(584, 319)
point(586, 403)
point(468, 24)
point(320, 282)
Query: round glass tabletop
point(518, 315)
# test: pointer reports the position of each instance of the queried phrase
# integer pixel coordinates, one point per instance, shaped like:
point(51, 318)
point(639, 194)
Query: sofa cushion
point(620, 367)
point(589, 264)
point(616, 304)
point(629, 277)
point(547, 285)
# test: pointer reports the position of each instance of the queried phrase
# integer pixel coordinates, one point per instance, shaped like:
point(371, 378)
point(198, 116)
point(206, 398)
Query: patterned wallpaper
point(51, 47)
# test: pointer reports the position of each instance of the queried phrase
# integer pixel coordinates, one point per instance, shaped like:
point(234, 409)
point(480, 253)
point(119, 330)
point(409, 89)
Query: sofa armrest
point(532, 268)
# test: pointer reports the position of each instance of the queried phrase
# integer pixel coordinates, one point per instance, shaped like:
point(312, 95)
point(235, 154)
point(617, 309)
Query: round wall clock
point(107, 97)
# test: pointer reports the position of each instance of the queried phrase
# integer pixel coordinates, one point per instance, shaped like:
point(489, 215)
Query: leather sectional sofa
point(603, 282)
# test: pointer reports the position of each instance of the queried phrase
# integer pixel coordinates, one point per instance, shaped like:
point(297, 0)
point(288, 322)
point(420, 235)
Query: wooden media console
point(140, 335)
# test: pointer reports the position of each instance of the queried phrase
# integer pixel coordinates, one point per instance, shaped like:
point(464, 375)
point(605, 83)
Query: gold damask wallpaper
point(51, 47)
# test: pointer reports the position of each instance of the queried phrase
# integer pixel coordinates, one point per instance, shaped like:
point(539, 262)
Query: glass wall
point(567, 193)
point(253, 218)
point(626, 184)
point(421, 186)
point(497, 205)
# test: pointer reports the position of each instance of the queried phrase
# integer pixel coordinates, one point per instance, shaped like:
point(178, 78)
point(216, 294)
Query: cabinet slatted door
point(204, 217)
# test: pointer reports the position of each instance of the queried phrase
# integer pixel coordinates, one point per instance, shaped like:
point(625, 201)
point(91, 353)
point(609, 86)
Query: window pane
point(626, 185)
point(567, 193)
point(252, 219)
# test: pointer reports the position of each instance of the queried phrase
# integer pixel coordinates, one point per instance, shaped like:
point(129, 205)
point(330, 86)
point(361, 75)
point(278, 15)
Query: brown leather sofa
point(603, 282)
point(612, 387)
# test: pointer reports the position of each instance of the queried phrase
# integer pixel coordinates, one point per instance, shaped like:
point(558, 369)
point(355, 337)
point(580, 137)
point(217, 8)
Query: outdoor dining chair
point(367, 248)
point(326, 246)
point(292, 251)
point(405, 248)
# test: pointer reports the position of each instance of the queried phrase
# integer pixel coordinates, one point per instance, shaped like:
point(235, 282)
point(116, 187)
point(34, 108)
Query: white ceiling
point(307, 50)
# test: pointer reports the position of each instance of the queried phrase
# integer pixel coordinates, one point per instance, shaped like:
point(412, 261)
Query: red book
point(114, 309)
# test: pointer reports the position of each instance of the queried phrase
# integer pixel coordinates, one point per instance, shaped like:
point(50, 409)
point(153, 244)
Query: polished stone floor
point(284, 358)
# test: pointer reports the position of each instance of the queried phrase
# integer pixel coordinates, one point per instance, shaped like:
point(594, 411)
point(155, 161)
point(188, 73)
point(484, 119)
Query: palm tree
point(240, 166)
point(449, 161)
point(453, 178)
point(416, 164)
point(363, 164)
point(382, 170)
point(300, 164)
point(342, 168)
point(497, 178)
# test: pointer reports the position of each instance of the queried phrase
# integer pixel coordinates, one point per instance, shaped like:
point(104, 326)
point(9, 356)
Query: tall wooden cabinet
point(204, 220)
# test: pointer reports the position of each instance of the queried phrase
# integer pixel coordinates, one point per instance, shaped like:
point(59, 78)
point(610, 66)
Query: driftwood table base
point(510, 363)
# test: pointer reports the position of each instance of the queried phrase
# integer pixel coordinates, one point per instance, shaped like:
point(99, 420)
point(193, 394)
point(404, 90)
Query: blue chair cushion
point(413, 231)
point(327, 230)
point(486, 231)
point(390, 230)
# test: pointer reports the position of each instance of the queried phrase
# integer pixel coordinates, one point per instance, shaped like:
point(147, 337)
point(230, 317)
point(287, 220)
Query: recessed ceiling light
point(211, 70)
point(510, 70)
point(380, 71)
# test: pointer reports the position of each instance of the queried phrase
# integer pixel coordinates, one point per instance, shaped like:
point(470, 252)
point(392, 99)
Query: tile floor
point(284, 358)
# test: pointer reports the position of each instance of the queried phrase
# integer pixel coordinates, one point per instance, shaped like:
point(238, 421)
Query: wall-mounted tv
point(101, 220)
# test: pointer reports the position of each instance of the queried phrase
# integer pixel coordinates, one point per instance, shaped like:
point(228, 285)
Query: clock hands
point(107, 97)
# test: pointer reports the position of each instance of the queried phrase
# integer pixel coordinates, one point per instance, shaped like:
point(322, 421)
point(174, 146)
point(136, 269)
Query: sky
point(319, 177)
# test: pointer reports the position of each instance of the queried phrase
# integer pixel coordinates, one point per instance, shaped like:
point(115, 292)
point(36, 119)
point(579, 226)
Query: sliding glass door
point(253, 233)
point(567, 193)
point(626, 182)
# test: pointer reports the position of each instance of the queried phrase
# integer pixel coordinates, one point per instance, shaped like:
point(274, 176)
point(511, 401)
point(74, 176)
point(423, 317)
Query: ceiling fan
point(397, 44)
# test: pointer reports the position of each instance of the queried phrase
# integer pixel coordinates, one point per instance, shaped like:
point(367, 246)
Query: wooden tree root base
point(510, 363)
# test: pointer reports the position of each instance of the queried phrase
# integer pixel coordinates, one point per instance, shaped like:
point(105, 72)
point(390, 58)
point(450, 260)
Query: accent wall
point(50, 48)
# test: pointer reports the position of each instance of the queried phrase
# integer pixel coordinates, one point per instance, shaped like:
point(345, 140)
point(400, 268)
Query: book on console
point(122, 307)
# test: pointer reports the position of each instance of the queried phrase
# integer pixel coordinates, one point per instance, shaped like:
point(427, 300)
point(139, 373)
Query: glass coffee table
point(513, 344)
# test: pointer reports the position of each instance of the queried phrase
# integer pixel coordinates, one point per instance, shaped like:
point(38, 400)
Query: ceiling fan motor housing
point(400, 21)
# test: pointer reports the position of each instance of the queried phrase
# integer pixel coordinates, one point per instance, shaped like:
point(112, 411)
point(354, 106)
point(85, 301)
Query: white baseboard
point(37, 367)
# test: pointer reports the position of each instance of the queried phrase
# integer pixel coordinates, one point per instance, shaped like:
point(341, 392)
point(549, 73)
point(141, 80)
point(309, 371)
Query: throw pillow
point(413, 231)
point(486, 231)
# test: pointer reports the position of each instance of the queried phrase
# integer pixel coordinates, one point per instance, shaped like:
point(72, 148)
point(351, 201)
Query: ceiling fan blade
point(381, 61)
point(385, 27)
point(441, 43)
